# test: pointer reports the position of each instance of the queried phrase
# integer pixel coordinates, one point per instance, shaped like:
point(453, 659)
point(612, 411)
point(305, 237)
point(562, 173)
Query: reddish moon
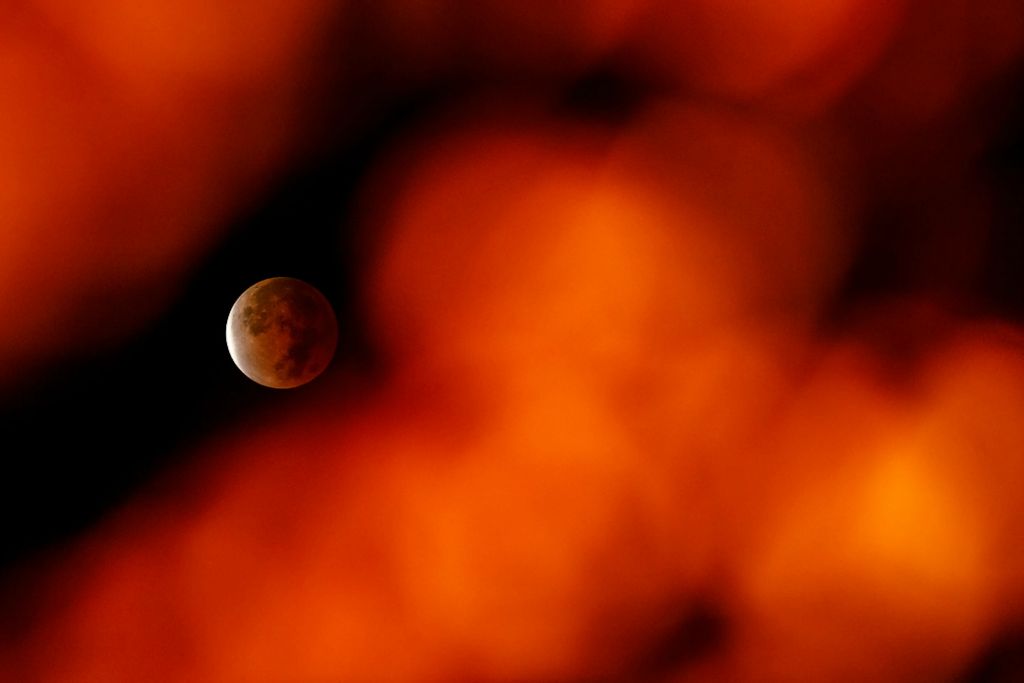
point(282, 332)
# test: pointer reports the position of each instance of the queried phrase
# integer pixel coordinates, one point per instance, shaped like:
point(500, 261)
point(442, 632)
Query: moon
point(282, 332)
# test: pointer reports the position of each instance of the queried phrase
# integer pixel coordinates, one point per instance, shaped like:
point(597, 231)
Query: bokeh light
point(684, 357)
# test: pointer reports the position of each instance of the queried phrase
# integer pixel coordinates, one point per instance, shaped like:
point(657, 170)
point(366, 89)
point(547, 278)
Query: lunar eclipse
point(282, 332)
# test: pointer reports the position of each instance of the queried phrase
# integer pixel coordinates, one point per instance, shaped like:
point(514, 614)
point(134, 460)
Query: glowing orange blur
point(610, 394)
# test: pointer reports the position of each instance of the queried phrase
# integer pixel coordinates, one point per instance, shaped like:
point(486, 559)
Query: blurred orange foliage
point(611, 397)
